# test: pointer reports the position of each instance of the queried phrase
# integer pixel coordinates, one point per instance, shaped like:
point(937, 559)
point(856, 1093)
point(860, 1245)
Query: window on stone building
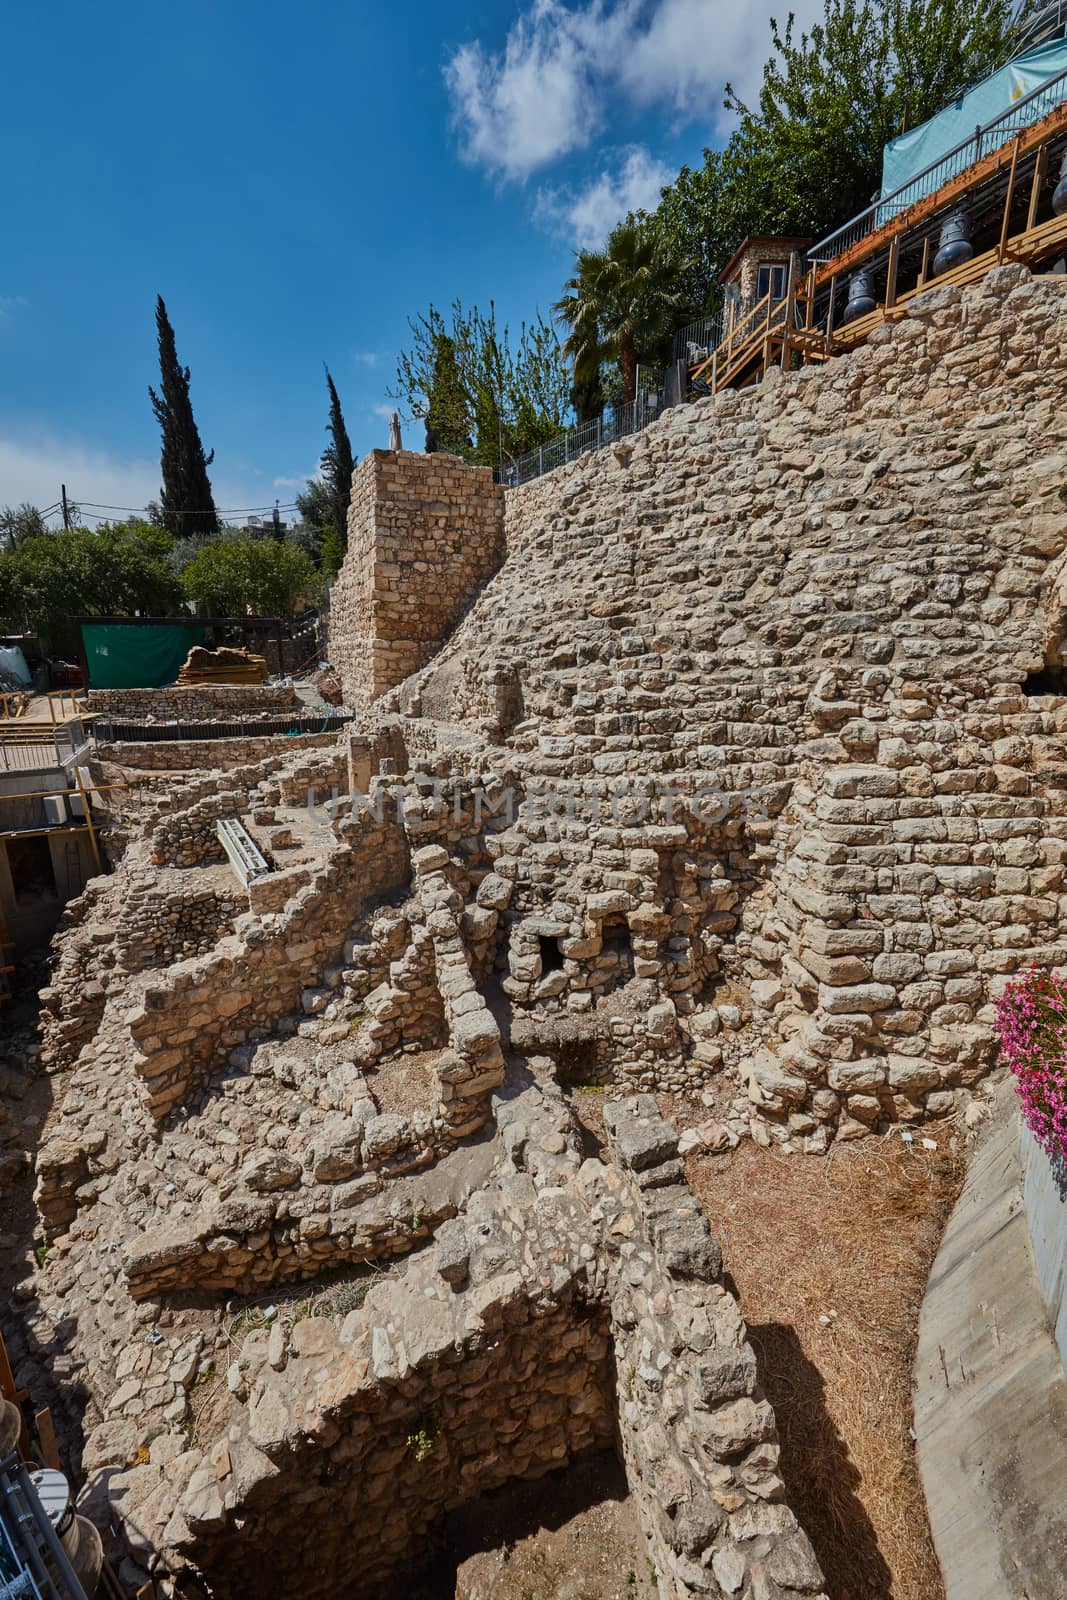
point(551, 955)
point(771, 279)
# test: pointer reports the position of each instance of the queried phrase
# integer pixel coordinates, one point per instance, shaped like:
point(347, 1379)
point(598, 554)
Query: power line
point(222, 511)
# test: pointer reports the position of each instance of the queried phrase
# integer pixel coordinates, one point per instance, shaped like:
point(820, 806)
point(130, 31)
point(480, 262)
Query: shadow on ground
point(821, 1479)
point(571, 1535)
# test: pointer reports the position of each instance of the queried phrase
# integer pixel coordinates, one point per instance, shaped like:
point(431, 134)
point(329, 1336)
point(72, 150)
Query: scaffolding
point(1005, 196)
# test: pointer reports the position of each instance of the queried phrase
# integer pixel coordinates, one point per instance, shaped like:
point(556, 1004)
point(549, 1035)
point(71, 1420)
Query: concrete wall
point(1045, 1199)
point(990, 1390)
point(32, 923)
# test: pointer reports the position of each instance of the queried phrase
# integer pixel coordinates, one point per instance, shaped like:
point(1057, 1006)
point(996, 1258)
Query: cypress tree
point(337, 464)
point(448, 411)
point(186, 503)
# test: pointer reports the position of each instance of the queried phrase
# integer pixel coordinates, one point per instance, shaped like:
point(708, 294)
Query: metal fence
point(28, 747)
point(113, 730)
point(28, 756)
point(990, 136)
point(1046, 23)
point(696, 341)
point(613, 424)
point(33, 1562)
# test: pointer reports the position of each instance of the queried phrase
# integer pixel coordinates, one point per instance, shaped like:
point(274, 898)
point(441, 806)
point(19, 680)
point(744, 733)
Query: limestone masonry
point(730, 763)
point(424, 532)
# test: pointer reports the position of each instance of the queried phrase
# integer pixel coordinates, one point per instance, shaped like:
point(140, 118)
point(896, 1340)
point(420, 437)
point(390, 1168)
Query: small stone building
point(761, 265)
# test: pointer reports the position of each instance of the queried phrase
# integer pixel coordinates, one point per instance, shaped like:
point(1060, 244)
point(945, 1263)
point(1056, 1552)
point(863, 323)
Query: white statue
point(395, 441)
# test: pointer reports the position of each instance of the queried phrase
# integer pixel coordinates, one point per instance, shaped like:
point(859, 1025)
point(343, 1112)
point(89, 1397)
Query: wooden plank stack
point(224, 665)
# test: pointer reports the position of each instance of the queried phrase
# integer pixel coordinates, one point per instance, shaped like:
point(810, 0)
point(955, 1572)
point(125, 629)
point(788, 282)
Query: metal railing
point(113, 730)
point(613, 424)
point(1042, 26)
point(988, 137)
point(24, 747)
point(28, 757)
point(697, 340)
point(32, 1559)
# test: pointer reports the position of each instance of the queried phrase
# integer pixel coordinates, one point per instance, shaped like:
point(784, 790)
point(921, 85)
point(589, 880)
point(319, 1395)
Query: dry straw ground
point(830, 1258)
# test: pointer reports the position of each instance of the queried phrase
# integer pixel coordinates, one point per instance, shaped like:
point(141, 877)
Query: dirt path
point(830, 1258)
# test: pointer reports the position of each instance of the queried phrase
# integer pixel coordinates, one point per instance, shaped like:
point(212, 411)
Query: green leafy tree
point(186, 503)
point(316, 508)
point(337, 464)
point(20, 522)
point(622, 303)
point(588, 394)
point(483, 396)
point(182, 549)
point(690, 220)
point(264, 577)
point(119, 570)
point(332, 553)
point(808, 154)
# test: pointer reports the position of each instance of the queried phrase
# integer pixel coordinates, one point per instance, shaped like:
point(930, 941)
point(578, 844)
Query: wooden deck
point(805, 325)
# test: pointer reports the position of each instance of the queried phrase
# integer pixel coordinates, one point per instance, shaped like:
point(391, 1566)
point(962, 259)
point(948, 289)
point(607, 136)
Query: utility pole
point(66, 507)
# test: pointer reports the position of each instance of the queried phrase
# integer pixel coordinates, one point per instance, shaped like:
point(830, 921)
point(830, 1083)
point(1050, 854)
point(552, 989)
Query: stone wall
point(176, 755)
point(195, 1013)
point(1045, 1203)
point(185, 835)
point(72, 1004)
point(171, 917)
point(424, 534)
point(834, 604)
point(568, 1306)
point(205, 702)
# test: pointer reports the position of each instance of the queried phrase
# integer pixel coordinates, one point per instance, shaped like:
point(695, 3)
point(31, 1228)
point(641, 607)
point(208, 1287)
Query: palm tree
point(621, 302)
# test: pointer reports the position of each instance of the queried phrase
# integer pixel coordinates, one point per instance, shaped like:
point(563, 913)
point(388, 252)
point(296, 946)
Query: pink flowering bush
point(1032, 1029)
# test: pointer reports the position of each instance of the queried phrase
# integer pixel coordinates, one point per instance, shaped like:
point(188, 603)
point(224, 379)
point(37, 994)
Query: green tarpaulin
point(136, 657)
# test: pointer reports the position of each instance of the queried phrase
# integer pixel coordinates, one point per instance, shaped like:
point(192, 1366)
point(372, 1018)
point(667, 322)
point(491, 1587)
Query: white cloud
point(533, 102)
point(34, 471)
point(289, 483)
point(588, 215)
point(385, 410)
point(10, 303)
point(564, 69)
point(366, 358)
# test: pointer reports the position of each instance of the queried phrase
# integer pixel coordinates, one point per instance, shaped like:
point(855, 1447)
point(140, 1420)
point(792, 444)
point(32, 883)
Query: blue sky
point(296, 180)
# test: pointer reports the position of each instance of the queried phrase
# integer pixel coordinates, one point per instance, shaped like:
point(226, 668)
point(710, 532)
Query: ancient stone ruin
point(727, 763)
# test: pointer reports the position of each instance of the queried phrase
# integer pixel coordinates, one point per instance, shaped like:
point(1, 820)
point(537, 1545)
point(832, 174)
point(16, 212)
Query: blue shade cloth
point(906, 157)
